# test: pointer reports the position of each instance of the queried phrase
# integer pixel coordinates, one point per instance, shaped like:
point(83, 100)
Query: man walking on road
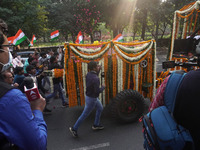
point(91, 99)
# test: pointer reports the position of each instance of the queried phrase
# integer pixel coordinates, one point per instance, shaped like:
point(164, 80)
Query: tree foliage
point(30, 16)
point(40, 17)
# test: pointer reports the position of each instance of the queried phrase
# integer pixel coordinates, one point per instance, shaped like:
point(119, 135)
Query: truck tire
point(128, 106)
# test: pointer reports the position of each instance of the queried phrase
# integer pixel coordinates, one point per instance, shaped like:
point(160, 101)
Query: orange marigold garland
point(106, 79)
point(114, 74)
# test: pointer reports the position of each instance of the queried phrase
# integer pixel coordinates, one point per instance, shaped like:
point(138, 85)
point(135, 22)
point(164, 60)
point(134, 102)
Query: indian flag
point(32, 41)
point(79, 39)
point(10, 39)
point(119, 38)
point(54, 35)
point(19, 37)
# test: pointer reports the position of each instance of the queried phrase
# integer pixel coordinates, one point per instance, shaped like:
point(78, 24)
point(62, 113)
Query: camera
point(186, 45)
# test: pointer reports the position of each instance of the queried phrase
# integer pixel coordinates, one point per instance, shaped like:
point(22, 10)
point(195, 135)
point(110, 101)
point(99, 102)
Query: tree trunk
point(92, 39)
point(157, 27)
point(144, 24)
point(66, 37)
point(115, 31)
point(73, 37)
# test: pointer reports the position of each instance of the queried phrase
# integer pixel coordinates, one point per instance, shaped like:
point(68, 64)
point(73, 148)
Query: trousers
point(57, 88)
point(90, 104)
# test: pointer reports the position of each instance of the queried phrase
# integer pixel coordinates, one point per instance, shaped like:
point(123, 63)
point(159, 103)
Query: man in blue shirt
point(92, 101)
point(21, 121)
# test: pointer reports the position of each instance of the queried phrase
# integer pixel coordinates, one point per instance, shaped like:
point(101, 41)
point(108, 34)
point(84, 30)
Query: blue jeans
point(90, 104)
point(57, 88)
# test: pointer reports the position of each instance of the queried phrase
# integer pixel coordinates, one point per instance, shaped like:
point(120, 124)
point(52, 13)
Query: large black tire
point(128, 106)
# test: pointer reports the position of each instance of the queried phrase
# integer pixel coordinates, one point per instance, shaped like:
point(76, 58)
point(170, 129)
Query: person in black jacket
point(56, 82)
point(92, 101)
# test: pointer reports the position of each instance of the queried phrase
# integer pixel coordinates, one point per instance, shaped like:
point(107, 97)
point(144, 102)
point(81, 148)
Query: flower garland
point(136, 76)
point(80, 82)
point(137, 58)
point(119, 74)
point(124, 74)
point(72, 88)
point(89, 50)
point(114, 74)
point(90, 57)
point(84, 71)
point(105, 78)
point(135, 49)
point(129, 76)
point(132, 44)
point(133, 73)
point(131, 55)
point(57, 73)
point(93, 53)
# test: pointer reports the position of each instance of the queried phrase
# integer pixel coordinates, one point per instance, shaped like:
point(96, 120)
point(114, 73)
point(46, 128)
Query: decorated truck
point(128, 72)
point(185, 38)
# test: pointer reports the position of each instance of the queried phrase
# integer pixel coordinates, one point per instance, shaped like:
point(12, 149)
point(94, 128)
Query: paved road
point(161, 54)
point(115, 136)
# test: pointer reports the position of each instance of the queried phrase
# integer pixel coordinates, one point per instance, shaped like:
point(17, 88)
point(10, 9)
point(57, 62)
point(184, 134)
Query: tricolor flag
point(10, 39)
point(119, 38)
point(32, 41)
point(79, 39)
point(54, 35)
point(19, 37)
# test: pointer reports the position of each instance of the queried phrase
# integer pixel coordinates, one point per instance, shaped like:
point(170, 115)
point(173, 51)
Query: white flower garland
point(118, 74)
point(121, 74)
point(136, 67)
point(135, 49)
point(195, 6)
point(133, 58)
point(154, 73)
point(184, 28)
point(102, 81)
point(89, 50)
point(64, 77)
point(90, 56)
point(84, 71)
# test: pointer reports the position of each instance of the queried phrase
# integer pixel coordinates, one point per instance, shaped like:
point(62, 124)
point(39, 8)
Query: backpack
point(4, 143)
point(160, 130)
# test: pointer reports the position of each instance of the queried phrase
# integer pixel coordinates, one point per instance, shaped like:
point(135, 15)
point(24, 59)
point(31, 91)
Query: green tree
point(87, 17)
point(30, 16)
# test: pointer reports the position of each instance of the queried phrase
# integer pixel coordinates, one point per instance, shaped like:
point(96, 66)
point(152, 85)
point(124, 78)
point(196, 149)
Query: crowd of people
point(35, 67)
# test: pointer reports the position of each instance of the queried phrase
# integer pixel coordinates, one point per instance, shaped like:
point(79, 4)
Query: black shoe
point(74, 132)
point(65, 104)
point(99, 127)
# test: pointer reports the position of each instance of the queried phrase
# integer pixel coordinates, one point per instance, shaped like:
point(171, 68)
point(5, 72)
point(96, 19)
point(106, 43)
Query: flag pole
point(28, 40)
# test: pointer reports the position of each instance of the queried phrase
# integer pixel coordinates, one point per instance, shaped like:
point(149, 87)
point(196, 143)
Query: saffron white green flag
point(54, 35)
point(32, 41)
point(79, 39)
point(19, 37)
point(119, 38)
point(10, 39)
